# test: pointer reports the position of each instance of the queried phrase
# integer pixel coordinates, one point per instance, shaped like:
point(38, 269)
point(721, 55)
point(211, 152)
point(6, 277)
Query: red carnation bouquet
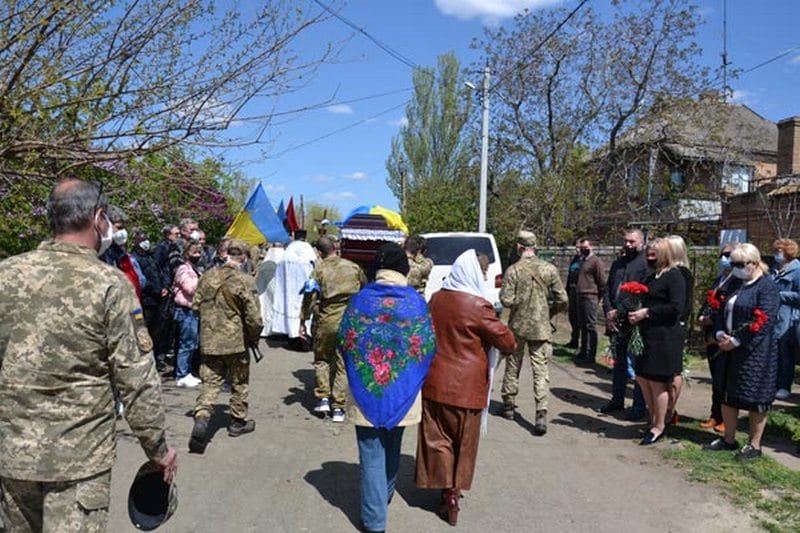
point(753, 326)
point(635, 292)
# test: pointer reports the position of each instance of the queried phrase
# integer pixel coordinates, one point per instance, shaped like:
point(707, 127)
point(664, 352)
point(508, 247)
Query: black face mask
point(194, 259)
point(631, 252)
point(651, 263)
point(585, 252)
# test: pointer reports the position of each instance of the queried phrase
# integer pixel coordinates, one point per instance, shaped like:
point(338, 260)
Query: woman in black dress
point(662, 333)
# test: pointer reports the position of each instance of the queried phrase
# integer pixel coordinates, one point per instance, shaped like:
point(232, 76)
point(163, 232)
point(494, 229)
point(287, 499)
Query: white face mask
point(107, 238)
point(120, 237)
point(740, 273)
point(195, 235)
point(145, 245)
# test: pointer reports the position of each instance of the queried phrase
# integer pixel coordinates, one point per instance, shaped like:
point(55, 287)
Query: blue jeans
point(623, 370)
point(187, 323)
point(379, 459)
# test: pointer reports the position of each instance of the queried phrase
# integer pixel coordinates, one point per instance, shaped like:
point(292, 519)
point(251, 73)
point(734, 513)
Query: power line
point(383, 46)
point(758, 66)
point(502, 78)
point(340, 130)
point(322, 105)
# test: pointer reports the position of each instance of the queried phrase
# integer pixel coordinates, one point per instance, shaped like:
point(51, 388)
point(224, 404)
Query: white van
point(444, 248)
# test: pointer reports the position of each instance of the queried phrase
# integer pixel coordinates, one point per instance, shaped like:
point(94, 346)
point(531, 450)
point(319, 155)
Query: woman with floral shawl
point(457, 387)
point(387, 343)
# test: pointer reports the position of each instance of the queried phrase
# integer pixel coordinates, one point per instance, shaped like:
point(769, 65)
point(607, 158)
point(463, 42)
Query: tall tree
point(583, 86)
point(433, 151)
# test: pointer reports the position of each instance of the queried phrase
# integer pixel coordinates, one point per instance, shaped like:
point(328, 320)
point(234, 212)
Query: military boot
point(197, 442)
point(540, 428)
point(240, 427)
point(507, 411)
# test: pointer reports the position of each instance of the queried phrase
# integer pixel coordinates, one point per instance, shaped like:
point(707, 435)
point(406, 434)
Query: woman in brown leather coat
point(457, 386)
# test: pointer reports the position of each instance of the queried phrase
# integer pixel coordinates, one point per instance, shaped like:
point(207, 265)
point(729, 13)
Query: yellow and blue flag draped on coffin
point(257, 222)
point(393, 218)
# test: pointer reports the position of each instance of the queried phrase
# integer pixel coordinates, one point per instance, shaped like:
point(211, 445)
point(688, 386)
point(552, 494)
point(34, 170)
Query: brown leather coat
point(466, 326)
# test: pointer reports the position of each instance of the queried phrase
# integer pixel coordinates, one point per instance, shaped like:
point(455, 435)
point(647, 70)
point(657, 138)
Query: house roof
point(705, 129)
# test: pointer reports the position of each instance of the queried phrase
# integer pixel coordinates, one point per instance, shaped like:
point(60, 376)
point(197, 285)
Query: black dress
point(663, 334)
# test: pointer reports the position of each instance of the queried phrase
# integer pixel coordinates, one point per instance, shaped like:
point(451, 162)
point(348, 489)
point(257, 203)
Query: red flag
point(291, 219)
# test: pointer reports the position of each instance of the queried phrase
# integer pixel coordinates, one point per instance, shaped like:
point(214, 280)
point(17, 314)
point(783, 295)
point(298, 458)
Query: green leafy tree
point(430, 157)
point(153, 190)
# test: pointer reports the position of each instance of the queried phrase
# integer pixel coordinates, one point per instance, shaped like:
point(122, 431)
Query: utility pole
point(403, 189)
point(484, 152)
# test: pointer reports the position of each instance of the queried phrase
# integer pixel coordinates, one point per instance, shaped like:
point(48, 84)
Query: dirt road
point(300, 473)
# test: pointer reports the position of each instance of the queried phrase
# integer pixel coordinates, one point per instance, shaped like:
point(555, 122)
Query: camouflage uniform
point(532, 290)
point(226, 329)
point(338, 279)
point(71, 329)
point(419, 269)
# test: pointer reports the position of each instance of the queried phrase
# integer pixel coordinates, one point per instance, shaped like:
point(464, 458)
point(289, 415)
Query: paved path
point(300, 473)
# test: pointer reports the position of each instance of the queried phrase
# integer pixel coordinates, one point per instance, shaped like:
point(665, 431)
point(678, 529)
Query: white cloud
point(489, 10)
point(275, 188)
point(340, 109)
point(743, 97)
point(358, 176)
point(399, 123)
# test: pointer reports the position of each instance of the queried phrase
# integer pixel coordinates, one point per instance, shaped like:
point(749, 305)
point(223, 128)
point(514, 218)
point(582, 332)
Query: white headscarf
point(466, 275)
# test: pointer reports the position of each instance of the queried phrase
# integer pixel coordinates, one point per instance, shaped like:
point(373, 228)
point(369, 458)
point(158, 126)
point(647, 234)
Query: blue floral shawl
point(386, 339)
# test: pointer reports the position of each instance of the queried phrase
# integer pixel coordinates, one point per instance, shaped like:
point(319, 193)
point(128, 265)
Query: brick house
point(769, 210)
point(681, 162)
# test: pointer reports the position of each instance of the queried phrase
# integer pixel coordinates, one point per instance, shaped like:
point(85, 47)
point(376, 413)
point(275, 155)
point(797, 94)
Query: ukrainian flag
point(393, 218)
point(257, 222)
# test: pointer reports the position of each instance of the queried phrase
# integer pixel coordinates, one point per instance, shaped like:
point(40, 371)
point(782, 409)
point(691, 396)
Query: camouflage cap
point(238, 247)
point(526, 238)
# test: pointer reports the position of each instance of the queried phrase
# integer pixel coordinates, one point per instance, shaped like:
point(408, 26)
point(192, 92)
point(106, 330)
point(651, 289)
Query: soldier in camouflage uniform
point(71, 330)
point(532, 290)
point(419, 265)
point(336, 280)
point(227, 303)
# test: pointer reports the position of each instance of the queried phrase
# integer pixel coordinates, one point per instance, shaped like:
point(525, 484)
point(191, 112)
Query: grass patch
point(785, 421)
point(764, 487)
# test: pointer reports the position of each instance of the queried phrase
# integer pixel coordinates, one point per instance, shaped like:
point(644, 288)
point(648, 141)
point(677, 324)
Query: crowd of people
point(383, 357)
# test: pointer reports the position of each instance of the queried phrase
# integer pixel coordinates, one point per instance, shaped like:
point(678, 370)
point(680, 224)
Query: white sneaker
point(338, 415)
point(186, 382)
point(195, 379)
point(323, 406)
point(782, 394)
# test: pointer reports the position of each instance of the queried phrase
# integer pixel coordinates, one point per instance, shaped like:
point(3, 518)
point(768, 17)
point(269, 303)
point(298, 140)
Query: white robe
point(265, 281)
point(290, 277)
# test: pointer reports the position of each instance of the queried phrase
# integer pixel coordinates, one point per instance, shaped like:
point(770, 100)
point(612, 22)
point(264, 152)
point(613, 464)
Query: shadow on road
point(220, 418)
point(580, 398)
point(303, 395)
point(427, 500)
point(338, 483)
point(496, 408)
point(595, 424)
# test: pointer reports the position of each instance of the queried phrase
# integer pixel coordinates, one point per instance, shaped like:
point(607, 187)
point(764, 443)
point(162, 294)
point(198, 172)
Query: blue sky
point(346, 169)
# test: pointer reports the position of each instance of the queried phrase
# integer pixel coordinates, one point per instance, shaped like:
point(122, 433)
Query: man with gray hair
point(71, 331)
point(532, 290)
